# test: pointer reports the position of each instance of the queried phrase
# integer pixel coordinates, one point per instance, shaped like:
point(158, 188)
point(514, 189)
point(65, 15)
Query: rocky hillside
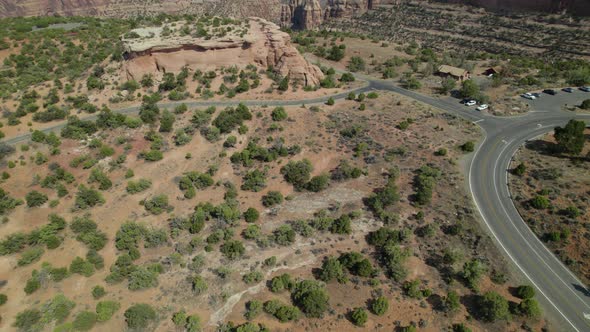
point(573, 7)
point(269, 9)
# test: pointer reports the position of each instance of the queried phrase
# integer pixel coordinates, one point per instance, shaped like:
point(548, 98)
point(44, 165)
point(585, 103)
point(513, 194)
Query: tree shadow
point(581, 289)
point(543, 147)
point(436, 302)
point(470, 302)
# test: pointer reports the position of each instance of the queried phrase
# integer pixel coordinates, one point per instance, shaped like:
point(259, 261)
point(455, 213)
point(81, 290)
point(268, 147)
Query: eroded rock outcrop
point(346, 8)
point(302, 14)
point(264, 45)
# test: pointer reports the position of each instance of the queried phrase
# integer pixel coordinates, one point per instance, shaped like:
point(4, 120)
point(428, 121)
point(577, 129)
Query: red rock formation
point(301, 14)
point(264, 45)
point(346, 8)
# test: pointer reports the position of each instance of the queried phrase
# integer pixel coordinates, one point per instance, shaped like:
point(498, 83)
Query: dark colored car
point(569, 90)
point(550, 92)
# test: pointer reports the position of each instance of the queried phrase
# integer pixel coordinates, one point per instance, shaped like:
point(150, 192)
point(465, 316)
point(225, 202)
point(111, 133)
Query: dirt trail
point(219, 315)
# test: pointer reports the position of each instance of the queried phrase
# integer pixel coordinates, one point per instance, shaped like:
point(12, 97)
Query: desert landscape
point(290, 166)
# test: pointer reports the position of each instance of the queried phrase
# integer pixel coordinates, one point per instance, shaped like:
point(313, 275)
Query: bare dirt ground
point(566, 182)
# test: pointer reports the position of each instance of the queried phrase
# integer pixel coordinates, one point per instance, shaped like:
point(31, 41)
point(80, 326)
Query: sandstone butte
point(264, 45)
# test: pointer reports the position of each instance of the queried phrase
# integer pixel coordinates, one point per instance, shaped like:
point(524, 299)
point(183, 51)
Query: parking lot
point(548, 102)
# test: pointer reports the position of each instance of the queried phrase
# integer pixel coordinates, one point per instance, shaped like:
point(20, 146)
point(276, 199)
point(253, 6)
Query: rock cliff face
point(301, 14)
point(346, 8)
point(264, 45)
point(269, 9)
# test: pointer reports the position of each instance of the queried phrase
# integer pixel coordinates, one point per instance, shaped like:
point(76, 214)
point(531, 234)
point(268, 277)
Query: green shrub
point(253, 277)
point(341, 225)
point(254, 181)
point(87, 198)
point(139, 316)
point(253, 309)
point(179, 318)
point(525, 292)
point(297, 173)
point(284, 313)
point(251, 215)
point(33, 283)
point(540, 202)
point(157, 205)
point(332, 269)
point(193, 323)
point(232, 249)
point(30, 256)
point(493, 307)
point(199, 285)
point(359, 316)
point(311, 297)
point(84, 321)
point(80, 266)
point(279, 114)
point(35, 199)
point(98, 176)
point(272, 198)
point(281, 282)
point(468, 147)
point(379, 306)
point(318, 183)
point(472, 272)
point(529, 308)
point(7, 203)
point(134, 187)
point(142, 278)
point(106, 309)
point(3, 299)
point(98, 292)
point(284, 235)
point(230, 118)
point(451, 302)
point(230, 142)
point(26, 320)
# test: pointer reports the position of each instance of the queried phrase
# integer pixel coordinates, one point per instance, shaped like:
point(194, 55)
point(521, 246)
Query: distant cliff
point(572, 7)
point(268, 9)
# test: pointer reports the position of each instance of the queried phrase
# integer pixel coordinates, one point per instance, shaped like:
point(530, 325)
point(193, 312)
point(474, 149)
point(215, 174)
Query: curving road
point(564, 298)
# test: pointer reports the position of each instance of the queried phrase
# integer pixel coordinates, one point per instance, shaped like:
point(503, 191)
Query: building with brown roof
point(459, 74)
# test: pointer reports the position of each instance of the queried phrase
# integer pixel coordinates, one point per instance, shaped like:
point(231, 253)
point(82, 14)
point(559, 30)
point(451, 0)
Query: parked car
point(528, 95)
point(550, 92)
point(536, 95)
point(470, 103)
point(585, 88)
point(568, 90)
point(482, 107)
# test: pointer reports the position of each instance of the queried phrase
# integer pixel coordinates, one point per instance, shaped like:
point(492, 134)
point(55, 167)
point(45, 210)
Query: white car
point(482, 107)
point(585, 88)
point(528, 95)
point(470, 103)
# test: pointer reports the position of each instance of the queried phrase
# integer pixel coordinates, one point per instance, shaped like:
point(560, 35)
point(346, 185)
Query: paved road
point(563, 296)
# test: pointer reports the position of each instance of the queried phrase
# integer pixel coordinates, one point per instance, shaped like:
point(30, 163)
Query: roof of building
point(445, 69)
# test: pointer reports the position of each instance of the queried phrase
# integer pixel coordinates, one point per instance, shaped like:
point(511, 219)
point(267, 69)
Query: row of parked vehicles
point(471, 102)
point(535, 95)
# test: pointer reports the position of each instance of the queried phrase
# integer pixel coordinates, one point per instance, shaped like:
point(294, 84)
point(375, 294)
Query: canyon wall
point(268, 9)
